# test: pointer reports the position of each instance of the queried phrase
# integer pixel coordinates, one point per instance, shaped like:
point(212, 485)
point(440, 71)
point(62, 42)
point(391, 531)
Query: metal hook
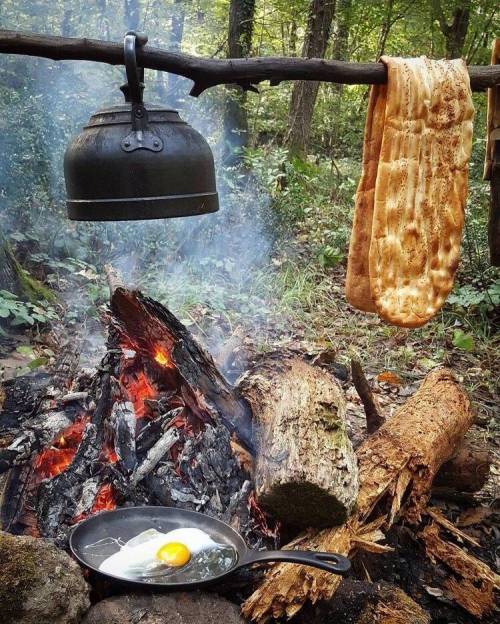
point(135, 75)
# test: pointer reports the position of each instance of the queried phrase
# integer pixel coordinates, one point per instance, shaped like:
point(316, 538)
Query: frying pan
point(128, 522)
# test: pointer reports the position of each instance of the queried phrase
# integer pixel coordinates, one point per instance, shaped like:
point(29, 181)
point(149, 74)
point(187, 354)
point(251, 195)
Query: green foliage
point(16, 312)
point(463, 341)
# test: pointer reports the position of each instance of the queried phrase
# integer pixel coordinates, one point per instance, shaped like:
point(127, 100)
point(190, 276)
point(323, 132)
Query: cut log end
point(302, 504)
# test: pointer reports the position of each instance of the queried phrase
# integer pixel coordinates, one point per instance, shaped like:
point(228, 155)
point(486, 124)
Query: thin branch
point(206, 73)
point(374, 416)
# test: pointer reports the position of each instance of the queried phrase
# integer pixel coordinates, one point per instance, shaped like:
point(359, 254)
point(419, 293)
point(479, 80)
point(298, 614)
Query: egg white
point(138, 556)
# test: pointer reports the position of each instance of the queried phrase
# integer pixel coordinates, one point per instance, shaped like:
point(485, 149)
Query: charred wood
point(123, 421)
point(155, 455)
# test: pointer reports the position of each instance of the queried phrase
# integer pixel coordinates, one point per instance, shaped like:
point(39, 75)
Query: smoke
point(215, 262)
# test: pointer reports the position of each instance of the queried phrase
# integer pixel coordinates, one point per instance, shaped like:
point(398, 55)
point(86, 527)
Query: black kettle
point(138, 161)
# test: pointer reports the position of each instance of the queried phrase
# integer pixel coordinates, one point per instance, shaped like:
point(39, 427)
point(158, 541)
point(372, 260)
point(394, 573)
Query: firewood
point(473, 585)
point(305, 469)
point(398, 461)
point(467, 470)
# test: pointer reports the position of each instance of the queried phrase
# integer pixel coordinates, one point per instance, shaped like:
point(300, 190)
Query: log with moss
point(16, 280)
point(305, 467)
point(397, 465)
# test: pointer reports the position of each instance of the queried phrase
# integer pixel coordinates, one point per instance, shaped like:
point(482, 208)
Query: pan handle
point(330, 562)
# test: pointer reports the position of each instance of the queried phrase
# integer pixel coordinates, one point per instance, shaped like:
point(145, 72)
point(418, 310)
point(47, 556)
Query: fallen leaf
point(390, 378)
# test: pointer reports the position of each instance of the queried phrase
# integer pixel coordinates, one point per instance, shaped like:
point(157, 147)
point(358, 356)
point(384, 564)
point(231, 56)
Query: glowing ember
point(57, 457)
point(162, 357)
point(105, 499)
point(109, 454)
point(139, 388)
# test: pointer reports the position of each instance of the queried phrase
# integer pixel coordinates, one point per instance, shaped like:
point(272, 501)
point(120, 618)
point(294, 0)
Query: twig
point(374, 417)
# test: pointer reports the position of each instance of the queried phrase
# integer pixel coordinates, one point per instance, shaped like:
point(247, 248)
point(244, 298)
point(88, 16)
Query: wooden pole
point(206, 73)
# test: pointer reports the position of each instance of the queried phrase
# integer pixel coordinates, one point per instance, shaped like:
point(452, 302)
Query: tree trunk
point(240, 31)
point(131, 14)
point(175, 42)
point(304, 93)
point(455, 32)
point(398, 461)
point(305, 471)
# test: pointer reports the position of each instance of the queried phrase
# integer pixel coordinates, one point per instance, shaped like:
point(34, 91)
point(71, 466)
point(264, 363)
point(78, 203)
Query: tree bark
point(455, 32)
point(304, 93)
point(305, 470)
point(240, 31)
point(398, 461)
point(208, 72)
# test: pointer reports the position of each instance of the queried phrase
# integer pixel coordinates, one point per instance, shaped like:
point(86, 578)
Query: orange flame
point(163, 358)
point(57, 457)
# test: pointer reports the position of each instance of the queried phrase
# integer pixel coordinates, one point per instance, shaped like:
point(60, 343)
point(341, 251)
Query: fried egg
point(153, 552)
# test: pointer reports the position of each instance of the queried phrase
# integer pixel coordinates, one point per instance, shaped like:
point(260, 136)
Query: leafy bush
point(17, 312)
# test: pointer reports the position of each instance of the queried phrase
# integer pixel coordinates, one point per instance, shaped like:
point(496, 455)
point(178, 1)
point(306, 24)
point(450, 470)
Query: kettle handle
point(131, 41)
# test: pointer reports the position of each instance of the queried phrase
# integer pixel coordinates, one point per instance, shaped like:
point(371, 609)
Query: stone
point(174, 608)
point(39, 583)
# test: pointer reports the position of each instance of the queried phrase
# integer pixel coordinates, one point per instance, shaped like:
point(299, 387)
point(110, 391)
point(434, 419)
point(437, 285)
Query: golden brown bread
point(408, 221)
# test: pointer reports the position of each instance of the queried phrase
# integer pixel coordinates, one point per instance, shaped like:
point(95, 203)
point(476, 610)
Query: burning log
point(305, 469)
point(156, 333)
point(397, 463)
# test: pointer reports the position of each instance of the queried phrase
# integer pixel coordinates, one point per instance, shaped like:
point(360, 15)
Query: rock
point(175, 608)
point(39, 583)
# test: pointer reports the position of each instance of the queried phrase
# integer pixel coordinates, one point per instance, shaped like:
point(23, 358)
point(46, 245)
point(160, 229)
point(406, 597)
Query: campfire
point(144, 430)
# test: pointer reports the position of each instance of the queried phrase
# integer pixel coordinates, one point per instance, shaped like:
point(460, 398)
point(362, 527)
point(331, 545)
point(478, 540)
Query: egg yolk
point(174, 554)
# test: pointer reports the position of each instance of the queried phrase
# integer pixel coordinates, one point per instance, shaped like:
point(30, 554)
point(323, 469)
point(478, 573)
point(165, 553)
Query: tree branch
point(206, 73)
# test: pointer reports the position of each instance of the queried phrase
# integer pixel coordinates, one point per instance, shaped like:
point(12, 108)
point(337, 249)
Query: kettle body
point(161, 167)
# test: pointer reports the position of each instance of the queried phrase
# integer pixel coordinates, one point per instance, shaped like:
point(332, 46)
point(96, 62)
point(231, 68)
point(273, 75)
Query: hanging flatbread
point(410, 201)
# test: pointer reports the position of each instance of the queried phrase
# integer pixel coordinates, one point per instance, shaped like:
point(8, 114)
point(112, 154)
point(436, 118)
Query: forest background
point(268, 270)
